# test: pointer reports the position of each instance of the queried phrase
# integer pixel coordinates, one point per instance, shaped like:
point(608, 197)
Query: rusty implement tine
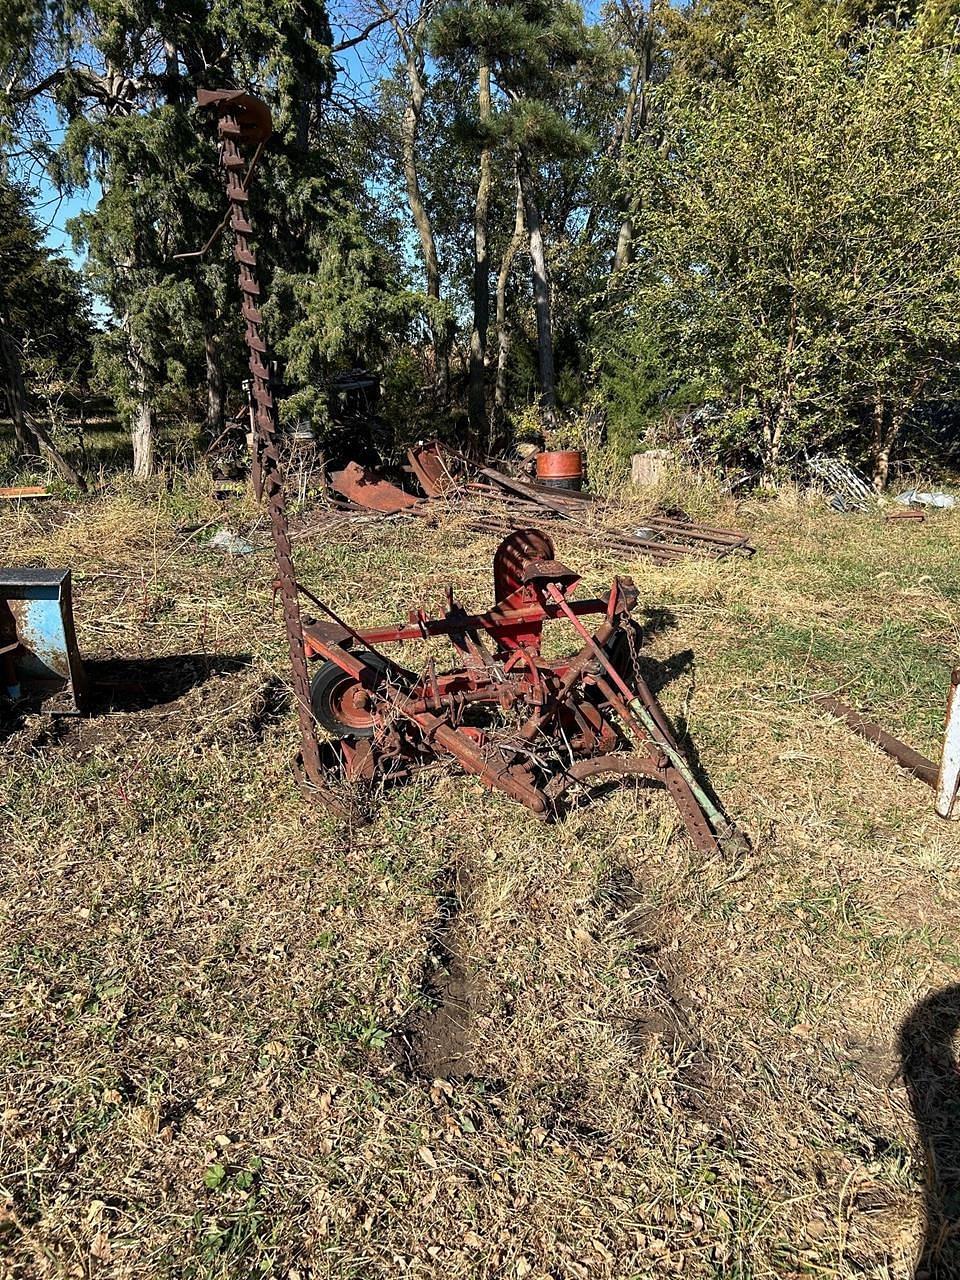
point(701, 833)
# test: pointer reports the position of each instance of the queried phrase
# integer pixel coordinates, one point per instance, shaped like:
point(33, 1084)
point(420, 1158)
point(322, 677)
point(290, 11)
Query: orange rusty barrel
point(560, 469)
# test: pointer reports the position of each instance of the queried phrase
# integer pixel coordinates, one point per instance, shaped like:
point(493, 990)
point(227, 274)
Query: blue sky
point(53, 210)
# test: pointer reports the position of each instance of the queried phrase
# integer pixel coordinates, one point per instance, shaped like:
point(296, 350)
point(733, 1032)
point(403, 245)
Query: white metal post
point(948, 781)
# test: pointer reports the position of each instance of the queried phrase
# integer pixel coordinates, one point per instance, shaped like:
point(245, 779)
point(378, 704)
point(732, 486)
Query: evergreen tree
point(45, 326)
point(125, 80)
point(524, 58)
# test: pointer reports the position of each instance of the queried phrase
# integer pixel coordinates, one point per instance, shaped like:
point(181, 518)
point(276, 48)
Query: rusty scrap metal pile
point(494, 502)
point(540, 731)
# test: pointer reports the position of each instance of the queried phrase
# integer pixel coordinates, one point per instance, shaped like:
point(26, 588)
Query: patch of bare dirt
point(437, 1040)
point(157, 698)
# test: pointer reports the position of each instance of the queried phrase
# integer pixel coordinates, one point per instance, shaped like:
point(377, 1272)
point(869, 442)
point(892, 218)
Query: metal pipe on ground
point(920, 766)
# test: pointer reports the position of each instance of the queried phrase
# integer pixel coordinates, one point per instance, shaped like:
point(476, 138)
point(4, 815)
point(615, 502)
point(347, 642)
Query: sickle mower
point(538, 730)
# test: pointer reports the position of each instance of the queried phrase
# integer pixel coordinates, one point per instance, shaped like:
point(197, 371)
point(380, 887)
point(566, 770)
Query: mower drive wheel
point(339, 701)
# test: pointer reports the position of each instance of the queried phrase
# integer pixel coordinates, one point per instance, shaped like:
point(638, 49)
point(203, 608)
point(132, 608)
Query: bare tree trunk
point(638, 101)
point(881, 470)
point(887, 425)
point(477, 403)
point(503, 325)
point(779, 412)
point(143, 429)
point(144, 441)
point(31, 437)
point(772, 437)
point(27, 442)
point(408, 137)
point(411, 40)
point(638, 85)
point(172, 73)
point(613, 149)
point(622, 254)
point(540, 273)
point(216, 392)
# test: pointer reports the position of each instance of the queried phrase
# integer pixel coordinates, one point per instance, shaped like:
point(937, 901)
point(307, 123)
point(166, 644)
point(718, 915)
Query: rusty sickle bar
point(244, 122)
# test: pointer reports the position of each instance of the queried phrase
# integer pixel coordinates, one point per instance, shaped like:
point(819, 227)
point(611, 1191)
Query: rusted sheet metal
point(428, 465)
point(910, 514)
point(38, 642)
point(948, 778)
point(25, 491)
point(366, 488)
point(911, 760)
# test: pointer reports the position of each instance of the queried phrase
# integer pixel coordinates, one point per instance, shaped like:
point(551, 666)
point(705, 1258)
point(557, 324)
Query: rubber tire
point(327, 683)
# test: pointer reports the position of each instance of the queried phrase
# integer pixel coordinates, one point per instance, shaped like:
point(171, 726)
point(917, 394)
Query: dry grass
point(668, 1066)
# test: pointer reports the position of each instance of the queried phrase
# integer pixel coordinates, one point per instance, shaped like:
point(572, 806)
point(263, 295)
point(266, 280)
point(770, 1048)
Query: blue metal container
point(39, 659)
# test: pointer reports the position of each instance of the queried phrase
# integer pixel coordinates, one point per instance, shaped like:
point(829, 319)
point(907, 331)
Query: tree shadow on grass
point(659, 672)
point(931, 1072)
